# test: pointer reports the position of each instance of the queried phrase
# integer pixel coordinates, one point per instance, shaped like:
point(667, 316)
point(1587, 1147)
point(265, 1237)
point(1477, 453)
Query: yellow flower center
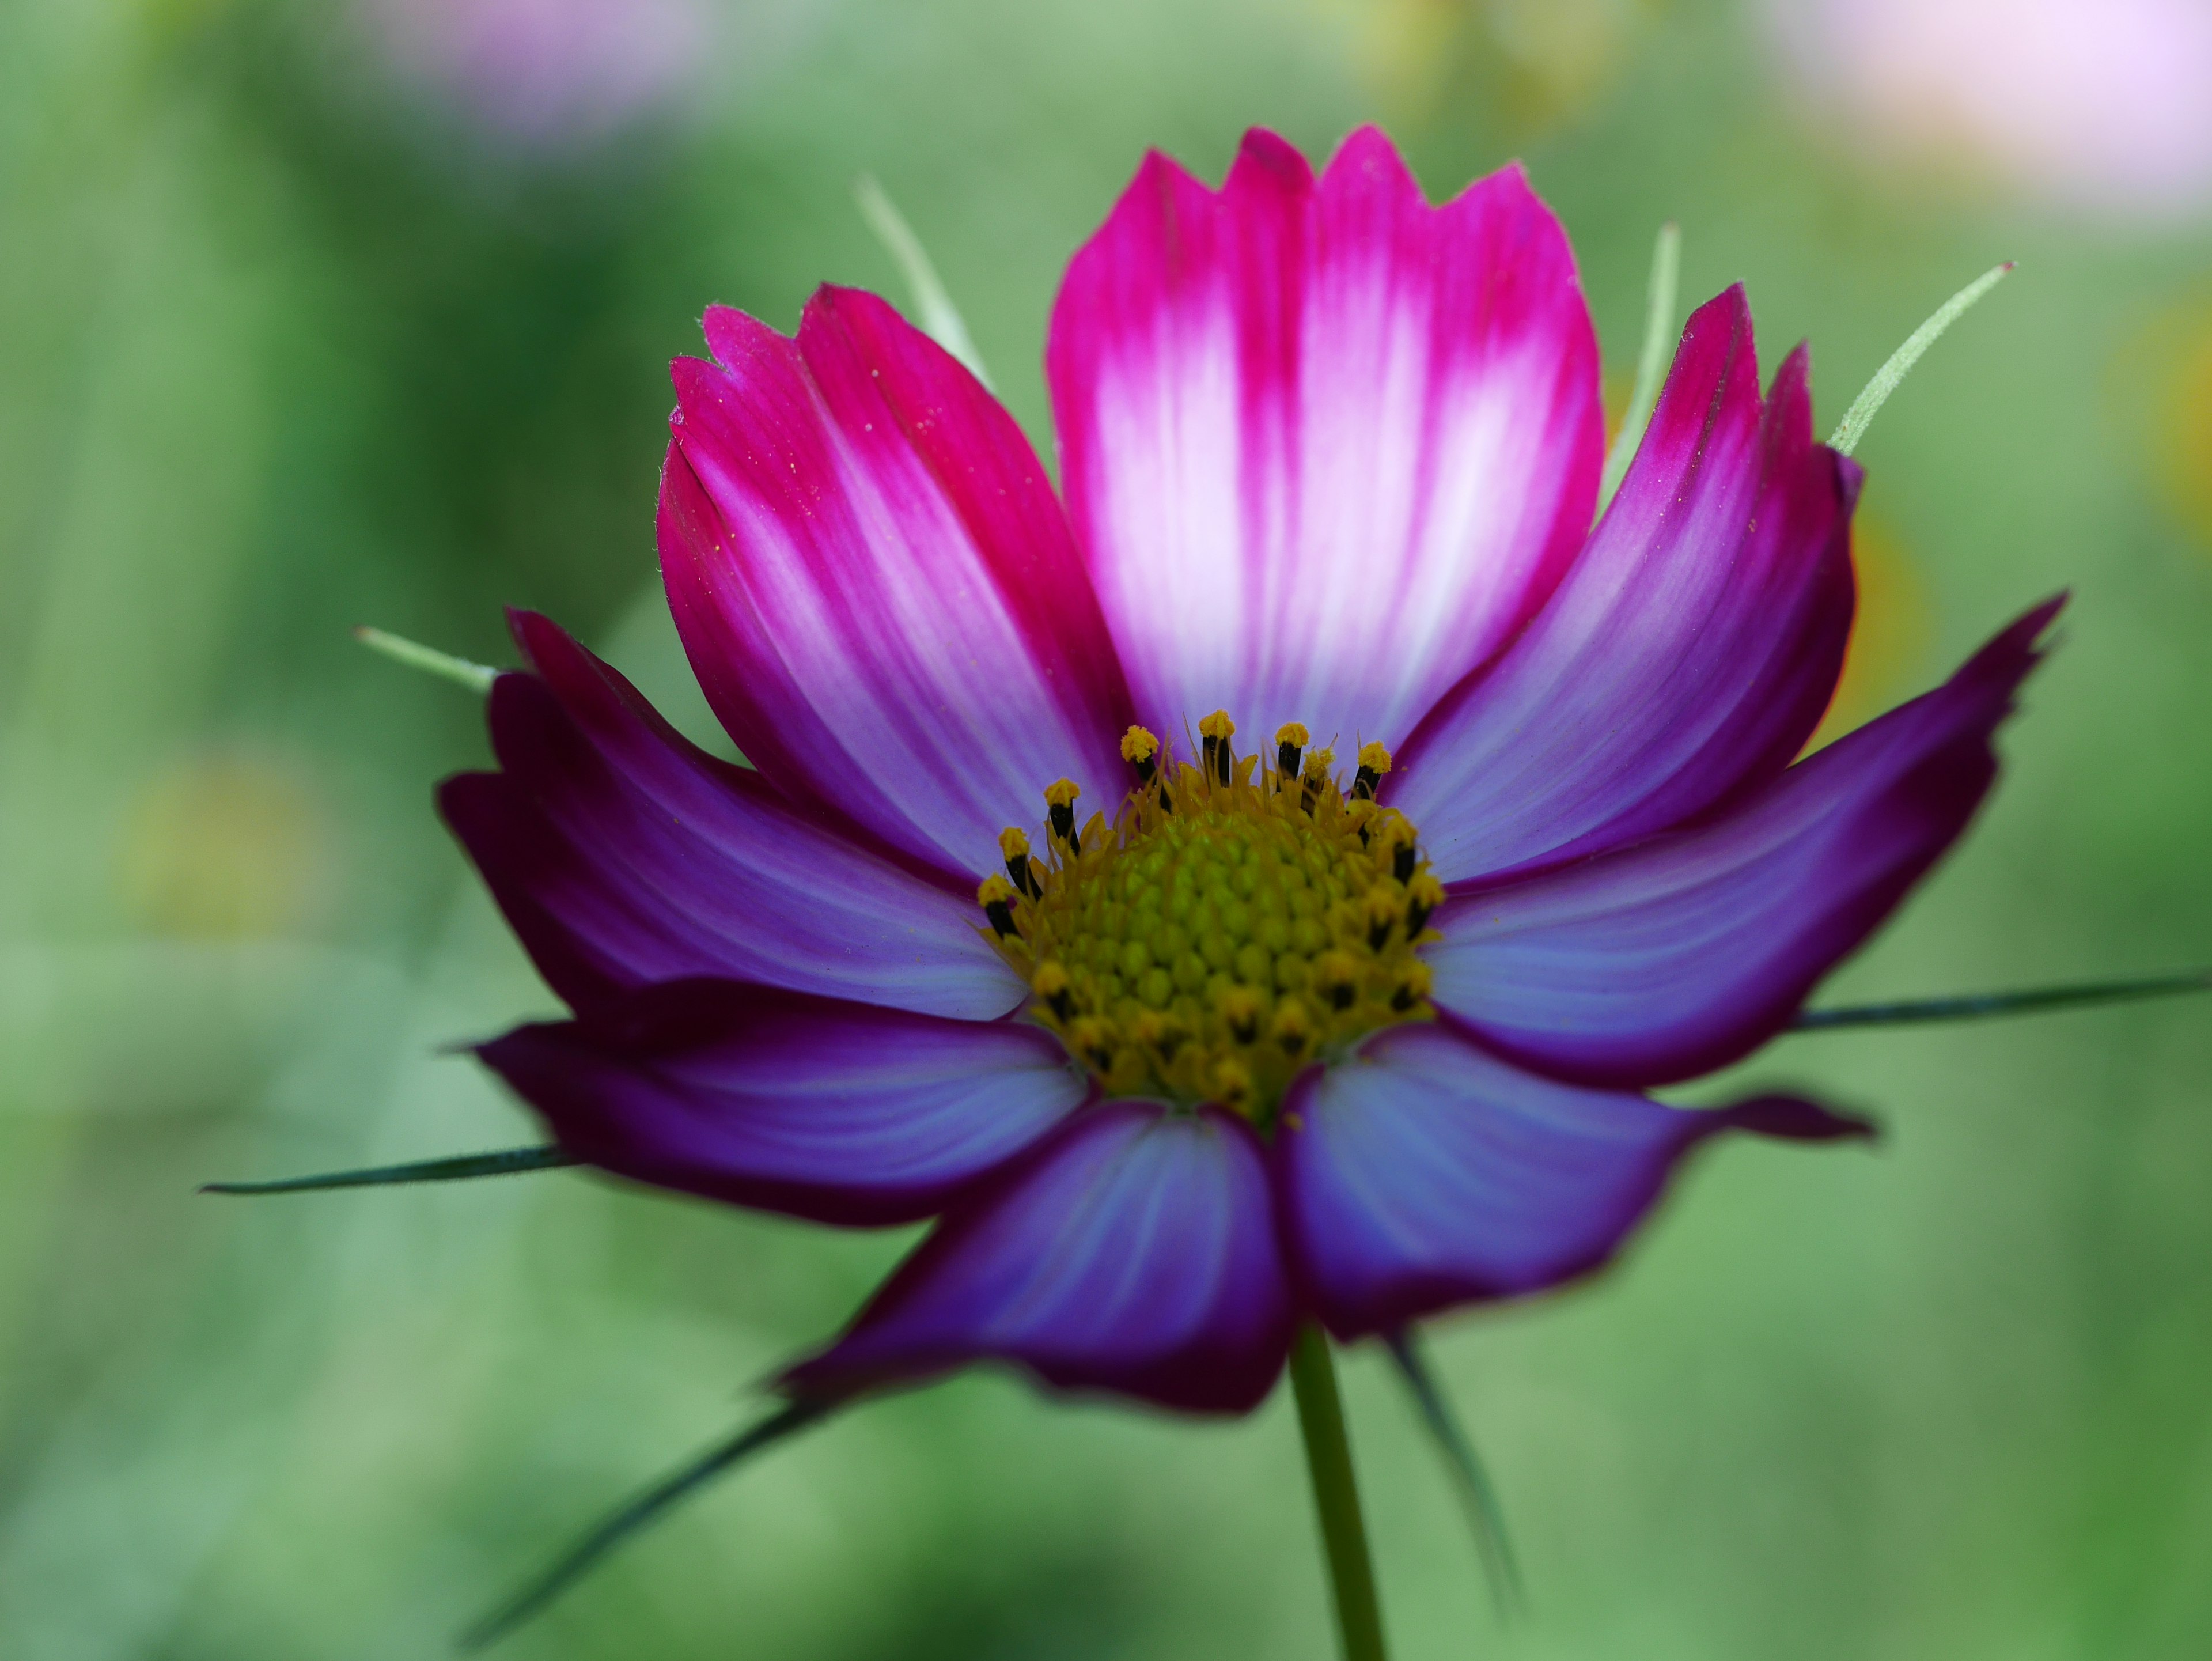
point(1231, 925)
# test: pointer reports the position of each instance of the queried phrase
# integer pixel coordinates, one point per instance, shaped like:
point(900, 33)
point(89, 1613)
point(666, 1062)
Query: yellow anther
point(1241, 1008)
point(1292, 732)
point(1060, 805)
point(1217, 726)
point(1413, 983)
point(1093, 1039)
point(1292, 1028)
point(1382, 908)
point(1138, 747)
point(1013, 842)
point(1319, 763)
point(1336, 977)
point(1423, 895)
point(996, 896)
point(1054, 988)
point(1158, 1032)
point(1232, 1083)
point(1375, 759)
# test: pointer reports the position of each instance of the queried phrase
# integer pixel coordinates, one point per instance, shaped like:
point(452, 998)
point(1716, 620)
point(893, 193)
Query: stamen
point(1414, 983)
point(1292, 1028)
point(1215, 732)
point(1051, 984)
point(1399, 839)
point(996, 897)
point(1092, 1038)
point(1290, 739)
point(1141, 750)
point(1316, 778)
point(1014, 844)
point(1382, 912)
point(1374, 763)
point(1060, 802)
point(1241, 1008)
point(1232, 1083)
point(1336, 975)
point(1423, 895)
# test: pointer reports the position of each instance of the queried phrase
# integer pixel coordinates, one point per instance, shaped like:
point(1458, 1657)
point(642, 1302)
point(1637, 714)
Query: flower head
point(1050, 911)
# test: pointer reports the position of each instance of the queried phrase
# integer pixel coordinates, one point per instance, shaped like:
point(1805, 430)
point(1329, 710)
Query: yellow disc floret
point(1232, 926)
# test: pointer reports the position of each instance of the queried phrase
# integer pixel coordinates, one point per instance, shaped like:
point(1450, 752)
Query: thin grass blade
point(1478, 1497)
point(506, 1162)
point(1651, 362)
point(477, 677)
point(646, 1509)
point(1983, 1006)
point(1860, 415)
point(940, 318)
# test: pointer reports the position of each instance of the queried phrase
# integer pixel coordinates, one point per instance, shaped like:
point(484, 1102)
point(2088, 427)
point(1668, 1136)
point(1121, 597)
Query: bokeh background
point(315, 312)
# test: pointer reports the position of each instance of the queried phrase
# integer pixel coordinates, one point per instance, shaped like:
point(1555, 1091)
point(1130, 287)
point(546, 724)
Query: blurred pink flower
point(546, 74)
point(2105, 105)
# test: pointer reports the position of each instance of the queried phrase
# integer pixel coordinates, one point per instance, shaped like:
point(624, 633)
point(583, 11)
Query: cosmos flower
point(1262, 882)
point(2096, 106)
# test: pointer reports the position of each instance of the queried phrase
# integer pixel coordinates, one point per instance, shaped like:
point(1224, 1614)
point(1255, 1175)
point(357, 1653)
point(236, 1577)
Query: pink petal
point(1326, 447)
point(623, 855)
point(876, 585)
point(1426, 1174)
point(1687, 656)
point(841, 1113)
point(1678, 956)
point(1134, 1251)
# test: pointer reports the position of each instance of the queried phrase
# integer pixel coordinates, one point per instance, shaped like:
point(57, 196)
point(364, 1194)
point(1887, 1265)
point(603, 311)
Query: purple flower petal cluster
point(1329, 454)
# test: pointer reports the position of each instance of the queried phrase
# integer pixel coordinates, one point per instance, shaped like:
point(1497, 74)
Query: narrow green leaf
point(646, 1508)
point(506, 1163)
point(1856, 419)
point(477, 677)
point(1478, 1498)
point(934, 310)
point(1651, 362)
point(1980, 1006)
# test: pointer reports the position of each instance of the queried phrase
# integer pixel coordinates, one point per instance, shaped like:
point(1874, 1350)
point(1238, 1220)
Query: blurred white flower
point(547, 74)
point(2103, 105)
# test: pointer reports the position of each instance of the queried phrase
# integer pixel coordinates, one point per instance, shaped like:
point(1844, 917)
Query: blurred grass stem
point(1651, 362)
point(1861, 415)
point(1336, 1496)
point(1981, 1006)
point(646, 1508)
point(1478, 1498)
point(477, 677)
point(940, 318)
point(507, 1162)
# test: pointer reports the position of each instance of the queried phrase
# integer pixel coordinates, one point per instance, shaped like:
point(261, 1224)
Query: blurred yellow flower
point(226, 845)
point(1531, 63)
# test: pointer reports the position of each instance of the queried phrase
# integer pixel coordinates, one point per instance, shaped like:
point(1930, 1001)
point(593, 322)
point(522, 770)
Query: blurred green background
point(314, 314)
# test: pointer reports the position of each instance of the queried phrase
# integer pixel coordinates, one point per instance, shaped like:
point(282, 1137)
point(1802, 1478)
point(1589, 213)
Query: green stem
point(1336, 1497)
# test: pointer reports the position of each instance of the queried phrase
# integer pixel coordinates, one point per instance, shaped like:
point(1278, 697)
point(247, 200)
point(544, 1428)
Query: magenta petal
point(1689, 653)
point(1134, 1252)
point(837, 1111)
point(623, 854)
point(1425, 1174)
point(1326, 447)
point(1679, 955)
point(876, 586)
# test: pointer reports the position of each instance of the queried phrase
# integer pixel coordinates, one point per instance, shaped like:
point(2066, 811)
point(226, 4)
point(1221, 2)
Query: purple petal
point(1426, 1174)
point(1678, 956)
point(1689, 653)
point(623, 855)
point(837, 1111)
point(1326, 447)
point(876, 586)
point(1134, 1252)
